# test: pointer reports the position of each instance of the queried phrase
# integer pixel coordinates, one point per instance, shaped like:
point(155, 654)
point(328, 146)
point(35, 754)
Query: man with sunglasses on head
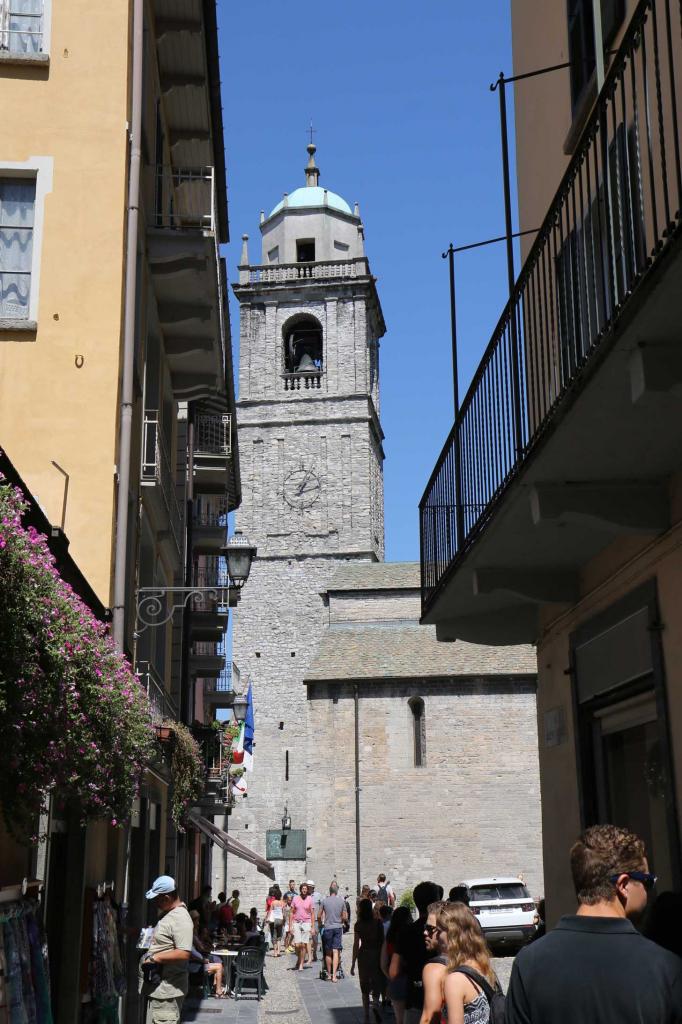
point(595, 967)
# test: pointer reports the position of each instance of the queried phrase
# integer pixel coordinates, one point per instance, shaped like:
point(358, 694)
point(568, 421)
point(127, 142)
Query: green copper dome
point(313, 195)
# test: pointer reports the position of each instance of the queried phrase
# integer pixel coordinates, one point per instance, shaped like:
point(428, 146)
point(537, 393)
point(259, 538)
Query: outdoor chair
point(249, 967)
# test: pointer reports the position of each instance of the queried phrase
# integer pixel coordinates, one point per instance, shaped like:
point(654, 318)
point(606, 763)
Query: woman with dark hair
point(369, 938)
point(391, 965)
point(465, 999)
point(274, 917)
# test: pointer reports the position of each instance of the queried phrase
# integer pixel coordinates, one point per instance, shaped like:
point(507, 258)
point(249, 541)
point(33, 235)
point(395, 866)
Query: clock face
point(301, 488)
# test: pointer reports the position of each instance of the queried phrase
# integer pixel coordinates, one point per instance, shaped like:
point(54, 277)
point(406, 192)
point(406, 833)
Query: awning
point(232, 845)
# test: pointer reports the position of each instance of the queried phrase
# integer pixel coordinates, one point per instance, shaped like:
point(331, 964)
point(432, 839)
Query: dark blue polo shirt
point(595, 970)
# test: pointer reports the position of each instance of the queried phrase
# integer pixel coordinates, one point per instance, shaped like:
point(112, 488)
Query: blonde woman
point(469, 971)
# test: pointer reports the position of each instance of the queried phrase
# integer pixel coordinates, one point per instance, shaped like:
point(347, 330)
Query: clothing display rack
point(24, 973)
point(107, 963)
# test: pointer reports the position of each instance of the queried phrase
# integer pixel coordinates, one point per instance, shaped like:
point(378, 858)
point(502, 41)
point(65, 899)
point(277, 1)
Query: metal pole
point(516, 383)
point(453, 326)
point(459, 510)
point(356, 701)
point(598, 44)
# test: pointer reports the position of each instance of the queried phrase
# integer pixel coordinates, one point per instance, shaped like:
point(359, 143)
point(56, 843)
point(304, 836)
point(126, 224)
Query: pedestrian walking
point(411, 948)
point(333, 916)
point(274, 917)
point(594, 966)
point(163, 969)
point(435, 968)
point(471, 990)
point(317, 906)
point(368, 940)
point(384, 891)
point(303, 914)
point(401, 919)
point(288, 924)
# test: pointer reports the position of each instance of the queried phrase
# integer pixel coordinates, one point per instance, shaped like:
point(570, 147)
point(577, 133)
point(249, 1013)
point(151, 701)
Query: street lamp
point(152, 606)
point(239, 707)
point(286, 821)
point(239, 555)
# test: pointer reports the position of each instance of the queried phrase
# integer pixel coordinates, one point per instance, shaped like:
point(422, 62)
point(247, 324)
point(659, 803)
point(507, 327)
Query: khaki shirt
point(174, 931)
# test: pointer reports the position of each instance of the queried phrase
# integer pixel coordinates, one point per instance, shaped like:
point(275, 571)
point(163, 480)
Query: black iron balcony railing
point(157, 469)
point(213, 435)
point(184, 197)
point(160, 701)
point(611, 222)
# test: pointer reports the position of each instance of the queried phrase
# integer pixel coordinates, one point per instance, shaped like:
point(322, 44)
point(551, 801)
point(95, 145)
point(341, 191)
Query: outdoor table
point(227, 955)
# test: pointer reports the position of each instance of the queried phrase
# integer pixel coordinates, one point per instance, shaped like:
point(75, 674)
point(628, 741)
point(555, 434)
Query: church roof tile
point(377, 576)
point(406, 650)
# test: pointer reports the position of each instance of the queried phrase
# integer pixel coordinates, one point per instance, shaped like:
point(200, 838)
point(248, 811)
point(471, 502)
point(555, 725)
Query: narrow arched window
point(303, 345)
point(416, 705)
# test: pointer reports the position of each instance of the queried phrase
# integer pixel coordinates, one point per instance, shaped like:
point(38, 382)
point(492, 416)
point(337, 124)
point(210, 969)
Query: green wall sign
point(285, 844)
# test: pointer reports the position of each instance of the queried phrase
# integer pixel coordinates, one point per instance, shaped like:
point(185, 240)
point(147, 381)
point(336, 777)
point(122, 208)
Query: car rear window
point(504, 891)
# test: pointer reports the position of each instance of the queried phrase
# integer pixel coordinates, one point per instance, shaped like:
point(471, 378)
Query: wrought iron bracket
point(152, 602)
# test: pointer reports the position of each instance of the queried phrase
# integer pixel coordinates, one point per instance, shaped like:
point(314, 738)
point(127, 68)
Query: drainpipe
point(126, 403)
point(356, 700)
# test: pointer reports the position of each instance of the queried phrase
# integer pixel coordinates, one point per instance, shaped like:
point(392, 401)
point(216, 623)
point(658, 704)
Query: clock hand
point(304, 482)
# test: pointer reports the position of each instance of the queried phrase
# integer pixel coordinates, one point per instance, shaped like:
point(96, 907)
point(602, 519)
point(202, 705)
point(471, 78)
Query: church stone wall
point(472, 809)
point(277, 627)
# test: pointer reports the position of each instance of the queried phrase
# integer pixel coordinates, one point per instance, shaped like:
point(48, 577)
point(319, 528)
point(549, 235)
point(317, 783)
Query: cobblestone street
point(295, 998)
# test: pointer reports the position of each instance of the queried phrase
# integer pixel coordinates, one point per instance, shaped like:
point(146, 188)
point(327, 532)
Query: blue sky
point(406, 126)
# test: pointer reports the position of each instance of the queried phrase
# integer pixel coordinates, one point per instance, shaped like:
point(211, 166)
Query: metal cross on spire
point(313, 131)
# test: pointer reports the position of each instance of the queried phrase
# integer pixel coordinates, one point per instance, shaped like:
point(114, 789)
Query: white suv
point(505, 909)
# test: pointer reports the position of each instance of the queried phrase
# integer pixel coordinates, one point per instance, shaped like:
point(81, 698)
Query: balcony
point(184, 260)
point(569, 430)
point(206, 661)
point(219, 691)
point(209, 531)
point(306, 380)
point(212, 452)
point(216, 765)
point(157, 478)
point(162, 704)
point(323, 270)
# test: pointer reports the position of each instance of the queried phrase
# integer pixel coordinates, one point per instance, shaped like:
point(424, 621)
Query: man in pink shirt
point(303, 919)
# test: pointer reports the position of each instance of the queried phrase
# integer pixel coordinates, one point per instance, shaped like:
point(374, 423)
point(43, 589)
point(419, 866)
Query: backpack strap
point(482, 982)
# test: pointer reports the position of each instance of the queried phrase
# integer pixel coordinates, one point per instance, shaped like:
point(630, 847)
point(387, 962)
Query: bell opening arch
point(302, 344)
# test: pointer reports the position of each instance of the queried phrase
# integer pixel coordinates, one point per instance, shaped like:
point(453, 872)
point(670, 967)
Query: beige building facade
point(573, 543)
point(117, 401)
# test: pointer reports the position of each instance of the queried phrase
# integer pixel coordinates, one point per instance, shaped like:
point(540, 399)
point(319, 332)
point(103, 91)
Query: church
point(377, 748)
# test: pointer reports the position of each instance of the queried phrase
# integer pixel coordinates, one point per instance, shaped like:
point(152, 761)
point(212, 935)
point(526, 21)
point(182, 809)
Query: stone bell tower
point(312, 480)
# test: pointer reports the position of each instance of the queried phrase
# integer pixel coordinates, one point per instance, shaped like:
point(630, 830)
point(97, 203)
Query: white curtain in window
point(21, 25)
point(17, 202)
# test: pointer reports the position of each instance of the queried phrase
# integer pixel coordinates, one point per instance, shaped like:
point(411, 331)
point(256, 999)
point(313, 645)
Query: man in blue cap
point(164, 970)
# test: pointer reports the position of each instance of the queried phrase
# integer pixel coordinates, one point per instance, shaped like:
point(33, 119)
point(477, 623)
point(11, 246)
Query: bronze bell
point(306, 363)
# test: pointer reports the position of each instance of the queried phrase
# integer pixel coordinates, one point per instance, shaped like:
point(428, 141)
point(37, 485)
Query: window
point(17, 205)
point(581, 39)
point(273, 255)
point(21, 26)
point(303, 345)
point(499, 891)
point(305, 250)
point(418, 731)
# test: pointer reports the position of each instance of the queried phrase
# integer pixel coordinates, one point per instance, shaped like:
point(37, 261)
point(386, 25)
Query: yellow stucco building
point(116, 391)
